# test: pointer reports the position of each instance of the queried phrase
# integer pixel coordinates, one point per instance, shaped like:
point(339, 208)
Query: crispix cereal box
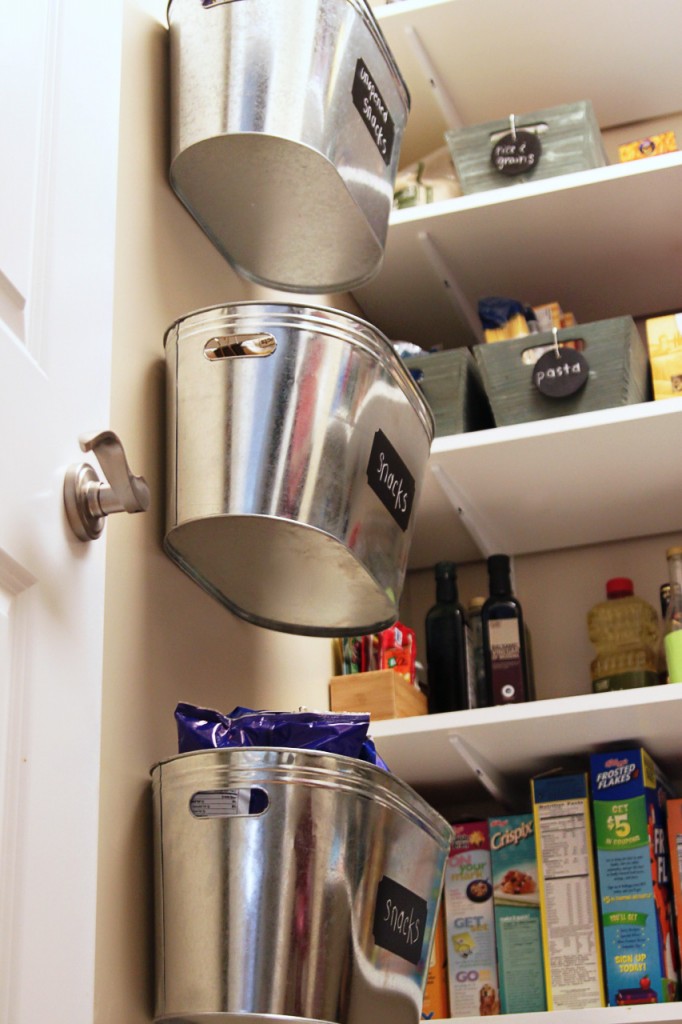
point(469, 923)
point(516, 899)
point(629, 796)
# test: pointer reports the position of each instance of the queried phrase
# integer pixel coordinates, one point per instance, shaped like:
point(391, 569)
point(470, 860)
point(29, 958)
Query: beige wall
point(165, 639)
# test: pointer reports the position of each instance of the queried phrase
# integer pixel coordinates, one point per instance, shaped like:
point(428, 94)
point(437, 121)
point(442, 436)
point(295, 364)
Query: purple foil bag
point(335, 733)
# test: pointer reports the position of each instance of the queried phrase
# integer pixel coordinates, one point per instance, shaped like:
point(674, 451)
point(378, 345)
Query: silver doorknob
point(89, 500)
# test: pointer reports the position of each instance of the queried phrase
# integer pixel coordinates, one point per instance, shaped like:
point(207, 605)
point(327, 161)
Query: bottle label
point(673, 655)
point(505, 658)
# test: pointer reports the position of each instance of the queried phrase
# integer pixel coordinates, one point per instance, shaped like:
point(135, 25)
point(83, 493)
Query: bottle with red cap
point(625, 631)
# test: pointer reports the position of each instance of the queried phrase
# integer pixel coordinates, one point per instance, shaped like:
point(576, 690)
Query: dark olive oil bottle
point(505, 653)
point(449, 660)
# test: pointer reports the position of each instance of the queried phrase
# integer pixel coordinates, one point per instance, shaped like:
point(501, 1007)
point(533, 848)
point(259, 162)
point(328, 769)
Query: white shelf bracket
point(443, 97)
point(458, 299)
point(479, 531)
point(486, 773)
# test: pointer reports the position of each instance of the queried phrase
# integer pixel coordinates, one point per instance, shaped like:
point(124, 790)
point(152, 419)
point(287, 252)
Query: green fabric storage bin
point(618, 371)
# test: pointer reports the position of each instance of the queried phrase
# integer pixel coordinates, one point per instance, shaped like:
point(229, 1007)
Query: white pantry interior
point(574, 502)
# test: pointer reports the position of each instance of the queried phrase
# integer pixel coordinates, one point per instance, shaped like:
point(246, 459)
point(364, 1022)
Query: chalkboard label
point(399, 920)
point(370, 103)
point(391, 480)
point(516, 153)
point(560, 374)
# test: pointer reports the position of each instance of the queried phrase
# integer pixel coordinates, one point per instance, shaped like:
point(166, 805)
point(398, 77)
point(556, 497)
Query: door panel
point(59, 94)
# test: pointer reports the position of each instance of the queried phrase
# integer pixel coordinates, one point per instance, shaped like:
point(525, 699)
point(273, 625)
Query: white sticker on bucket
point(222, 803)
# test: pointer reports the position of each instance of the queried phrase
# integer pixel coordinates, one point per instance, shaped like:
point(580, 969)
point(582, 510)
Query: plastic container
point(625, 632)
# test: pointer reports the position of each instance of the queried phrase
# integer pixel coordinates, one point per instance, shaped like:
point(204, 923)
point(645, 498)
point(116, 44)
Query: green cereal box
point(516, 900)
point(629, 796)
point(469, 923)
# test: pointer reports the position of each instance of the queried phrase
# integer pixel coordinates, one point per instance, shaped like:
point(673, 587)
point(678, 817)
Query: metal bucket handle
point(251, 801)
point(239, 346)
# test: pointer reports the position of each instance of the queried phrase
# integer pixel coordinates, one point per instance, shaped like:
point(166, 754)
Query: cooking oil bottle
point(672, 622)
point(625, 632)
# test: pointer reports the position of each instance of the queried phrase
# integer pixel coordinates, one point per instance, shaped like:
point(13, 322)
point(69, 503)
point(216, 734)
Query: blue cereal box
point(629, 796)
point(518, 931)
point(469, 923)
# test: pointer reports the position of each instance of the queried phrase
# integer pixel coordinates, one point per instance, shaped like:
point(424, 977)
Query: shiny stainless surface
point(89, 500)
point(268, 150)
point(269, 435)
point(273, 913)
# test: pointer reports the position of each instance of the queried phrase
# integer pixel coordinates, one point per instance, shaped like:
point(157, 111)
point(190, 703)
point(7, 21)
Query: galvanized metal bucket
point(292, 883)
point(297, 444)
point(286, 125)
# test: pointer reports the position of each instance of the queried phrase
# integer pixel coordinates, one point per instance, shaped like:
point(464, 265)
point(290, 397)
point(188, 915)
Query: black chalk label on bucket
point(391, 480)
point(370, 103)
point(399, 920)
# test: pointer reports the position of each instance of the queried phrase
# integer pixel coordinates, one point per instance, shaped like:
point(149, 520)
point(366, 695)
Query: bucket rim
point(359, 331)
point(413, 804)
point(367, 15)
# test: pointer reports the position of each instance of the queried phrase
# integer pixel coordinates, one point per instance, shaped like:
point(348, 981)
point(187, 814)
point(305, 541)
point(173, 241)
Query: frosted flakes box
point(469, 923)
point(516, 900)
point(629, 795)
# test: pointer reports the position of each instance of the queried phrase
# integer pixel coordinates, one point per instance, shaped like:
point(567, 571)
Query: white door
point(59, 95)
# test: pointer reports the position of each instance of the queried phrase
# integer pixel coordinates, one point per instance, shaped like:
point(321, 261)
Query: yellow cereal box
point(568, 892)
point(653, 145)
point(664, 341)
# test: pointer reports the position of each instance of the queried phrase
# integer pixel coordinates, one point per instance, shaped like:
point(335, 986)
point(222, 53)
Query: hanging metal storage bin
point(286, 125)
point(292, 884)
point(297, 445)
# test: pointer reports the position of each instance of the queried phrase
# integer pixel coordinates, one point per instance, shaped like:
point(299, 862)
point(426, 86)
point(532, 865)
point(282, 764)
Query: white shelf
point(560, 483)
point(605, 242)
point(665, 1013)
point(495, 58)
point(520, 740)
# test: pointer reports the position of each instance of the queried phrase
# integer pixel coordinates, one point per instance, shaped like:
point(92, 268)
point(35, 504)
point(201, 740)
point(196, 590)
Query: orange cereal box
point(674, 826)
point(436, 1005)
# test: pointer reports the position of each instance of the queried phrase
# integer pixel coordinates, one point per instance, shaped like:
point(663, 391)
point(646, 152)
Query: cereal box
point(469, 923)
point(568, 892)
point(664, 342)
point(652, 145)
point(674, 814)
point(516, 902)
point(436, 1005)
point(629, 796)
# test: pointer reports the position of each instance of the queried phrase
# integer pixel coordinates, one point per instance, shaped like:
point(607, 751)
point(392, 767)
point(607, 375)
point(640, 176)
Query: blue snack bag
point(335, 733)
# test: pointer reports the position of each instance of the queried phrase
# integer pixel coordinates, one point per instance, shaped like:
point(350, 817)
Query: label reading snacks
point(399, 920)
point(391, 480)
point(370, 103)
